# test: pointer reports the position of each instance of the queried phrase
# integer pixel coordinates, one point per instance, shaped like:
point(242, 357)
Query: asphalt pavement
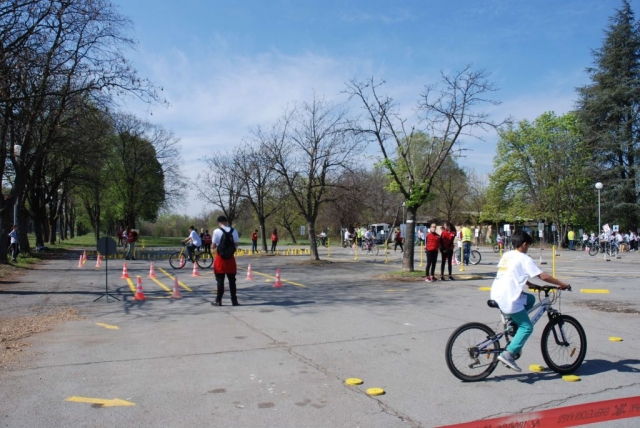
point(282, 358)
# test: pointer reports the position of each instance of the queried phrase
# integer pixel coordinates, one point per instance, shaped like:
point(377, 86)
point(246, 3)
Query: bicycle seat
point(492, 304)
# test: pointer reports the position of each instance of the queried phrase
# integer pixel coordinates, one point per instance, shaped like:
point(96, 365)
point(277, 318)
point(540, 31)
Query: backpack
point(206, 239)
point(226, 248)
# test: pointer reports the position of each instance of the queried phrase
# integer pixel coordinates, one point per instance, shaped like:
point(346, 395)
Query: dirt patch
point(609, 306)
point(315, 263)
point(15, 329)
point(400, 278)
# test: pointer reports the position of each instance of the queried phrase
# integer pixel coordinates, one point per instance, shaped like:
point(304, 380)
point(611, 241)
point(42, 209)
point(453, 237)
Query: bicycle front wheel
point(471, 352)
point(177, 260)
point(496, 248)
point(564, 344)
point(204, 260)
point(593, 250)
point(475, 257)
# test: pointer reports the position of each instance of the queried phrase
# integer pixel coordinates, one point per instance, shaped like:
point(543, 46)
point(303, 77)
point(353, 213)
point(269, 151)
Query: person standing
point(571, 236)
point(420, 237)
point(206, 242)
point(466, 244)
point(274, 240)
point(432, 247)
point(132, 237)
point(225, 242)
point(254, 241)
point(13, 246)
point(397, 239)
point(447, 238)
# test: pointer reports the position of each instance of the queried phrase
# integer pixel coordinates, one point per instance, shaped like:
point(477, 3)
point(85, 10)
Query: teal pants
point(525, 328)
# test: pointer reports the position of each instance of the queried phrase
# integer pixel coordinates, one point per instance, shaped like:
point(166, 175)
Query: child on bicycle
point(192, 242)
point(508, 290)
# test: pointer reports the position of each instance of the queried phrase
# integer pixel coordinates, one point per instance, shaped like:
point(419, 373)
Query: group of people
point(629, 239)
point(443, 243)
point(254, 240)
point(360, 235)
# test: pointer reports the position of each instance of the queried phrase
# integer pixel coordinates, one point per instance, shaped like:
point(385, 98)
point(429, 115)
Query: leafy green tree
point(413, 155)
point(539, 170)
point(608, 109)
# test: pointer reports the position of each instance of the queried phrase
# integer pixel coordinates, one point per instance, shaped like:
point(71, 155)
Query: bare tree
point(311, 148)
point(220, 185)
point(451, 190)
point(412, 155)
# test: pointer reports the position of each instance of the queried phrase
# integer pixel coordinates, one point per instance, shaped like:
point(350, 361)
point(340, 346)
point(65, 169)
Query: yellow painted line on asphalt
point(167, 289)
point(108, 326)
point(185, 286)
point(104, 402)
point(131, 286)
point(484, 288)
point(273, 278)
point(593, 291)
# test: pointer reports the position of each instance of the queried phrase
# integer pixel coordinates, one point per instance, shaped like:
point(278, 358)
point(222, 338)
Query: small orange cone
point(139, 293)
point(125, 271)
point(278, 282)
point(152, 271)
point(99, 261)
point(195, 270)
point(80, 263)
point(176, 289)
point(249, 272)
point(84, 255)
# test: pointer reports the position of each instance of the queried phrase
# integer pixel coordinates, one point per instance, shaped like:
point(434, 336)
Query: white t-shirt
point(14, 236)
point(347, 235)
point(514, 269)
point(195, 238)
point(217, 235)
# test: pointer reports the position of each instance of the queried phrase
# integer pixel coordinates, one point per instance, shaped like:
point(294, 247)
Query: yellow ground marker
point(536, 368)
point(353, 381)
point(593, 291)
point(185, 286)
point(571, 378)
point(131, 286)
point(375, 391)
point(108, 326)
point(104, 402)
point(484, 288)
point(615, 339)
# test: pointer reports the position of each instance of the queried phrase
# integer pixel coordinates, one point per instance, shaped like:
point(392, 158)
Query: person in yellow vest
point(571, 236)
point(466, 243)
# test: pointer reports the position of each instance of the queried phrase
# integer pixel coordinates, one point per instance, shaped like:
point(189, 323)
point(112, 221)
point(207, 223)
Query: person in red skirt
point(225, 242)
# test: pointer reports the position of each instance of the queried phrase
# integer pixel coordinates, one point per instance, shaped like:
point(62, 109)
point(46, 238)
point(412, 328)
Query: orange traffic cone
point(84, 255)
point(278, 283)
point(99, 261)
point(195, 270)
point(139, 293)
point(152, 271)
point(249, 272)
point(125, 271)
point(80, 263)
point(176, 289)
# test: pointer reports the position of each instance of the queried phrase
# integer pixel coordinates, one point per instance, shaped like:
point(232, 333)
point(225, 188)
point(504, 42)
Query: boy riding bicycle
point(508, 290)
point(192, 242)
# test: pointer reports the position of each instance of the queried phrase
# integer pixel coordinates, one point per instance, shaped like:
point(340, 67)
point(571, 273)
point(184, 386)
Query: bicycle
point(320, 240)
point(507, 247)
point(370, 248)
point(594, 247)
point(473, 348)
point(177, 260)
point(474, 256)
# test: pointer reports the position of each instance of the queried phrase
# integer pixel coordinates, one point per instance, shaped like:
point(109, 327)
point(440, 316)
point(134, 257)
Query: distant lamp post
point(599, 187)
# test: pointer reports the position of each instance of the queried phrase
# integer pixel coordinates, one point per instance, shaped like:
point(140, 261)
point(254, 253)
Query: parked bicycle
point(474, 256)
point(472, 349)
point(505, 247)
point(178, 259)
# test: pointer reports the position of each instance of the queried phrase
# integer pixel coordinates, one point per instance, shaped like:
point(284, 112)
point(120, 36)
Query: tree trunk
point(7, 218)
point(407, 258)
point(263, 234)
point(312, 240)
point(23, 230)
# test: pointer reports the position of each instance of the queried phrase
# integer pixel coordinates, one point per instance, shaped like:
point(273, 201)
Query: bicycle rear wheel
point(177, 260)
point(475, 257)
point(593, 250)
point(204, 260)
point(496, 248)
point(468, 352)
point(563, 344)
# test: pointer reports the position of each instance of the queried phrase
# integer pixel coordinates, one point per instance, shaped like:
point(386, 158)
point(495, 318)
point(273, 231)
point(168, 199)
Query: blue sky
point(226, 67)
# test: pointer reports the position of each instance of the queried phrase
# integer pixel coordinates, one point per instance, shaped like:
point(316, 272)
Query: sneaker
point(428, 279)
point(451, 278)
point(442, 278)
point(507, 359)
point(433, 278)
